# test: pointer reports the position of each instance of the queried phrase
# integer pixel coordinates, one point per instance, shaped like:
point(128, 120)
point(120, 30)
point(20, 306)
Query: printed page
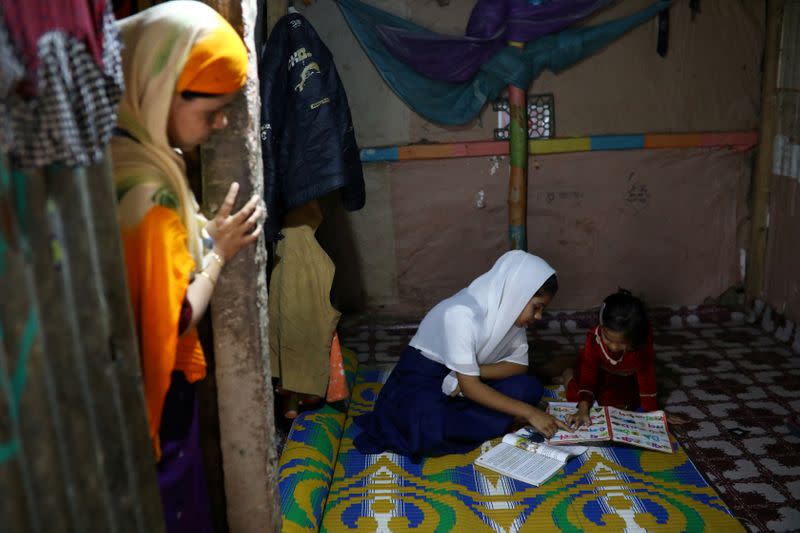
point(526, 438)
point(514, 462)
point(596, 432)
point(648, 430)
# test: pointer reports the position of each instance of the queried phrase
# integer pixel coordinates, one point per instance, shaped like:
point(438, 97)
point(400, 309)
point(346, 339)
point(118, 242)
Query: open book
point(646, 430)
point(521, 457)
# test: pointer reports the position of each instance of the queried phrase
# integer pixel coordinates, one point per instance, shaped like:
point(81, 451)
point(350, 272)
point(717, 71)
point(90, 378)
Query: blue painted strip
point(3, 254)
point(20, 376)
point(5, 176)
point(16, 387)
point(391, 153)
point(8, 450)
point(518, 237)
point(616, 142)
point(18, 181)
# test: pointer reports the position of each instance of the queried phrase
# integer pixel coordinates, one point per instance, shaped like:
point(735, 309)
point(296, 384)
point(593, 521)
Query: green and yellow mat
point(610, 488)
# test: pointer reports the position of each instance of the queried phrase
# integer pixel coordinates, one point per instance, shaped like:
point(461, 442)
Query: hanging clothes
point(309, 150)
point(60, 80)
point(301, 318)
point(307, 137)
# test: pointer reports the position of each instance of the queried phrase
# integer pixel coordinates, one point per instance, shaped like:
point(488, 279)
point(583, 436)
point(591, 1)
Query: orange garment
point(159, 267)
point(337, 384)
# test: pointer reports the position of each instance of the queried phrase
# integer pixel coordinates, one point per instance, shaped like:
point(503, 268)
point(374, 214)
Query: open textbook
point(646, 430)
point(521, 457)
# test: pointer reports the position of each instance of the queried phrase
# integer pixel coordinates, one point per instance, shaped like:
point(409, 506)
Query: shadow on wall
point(337, 238)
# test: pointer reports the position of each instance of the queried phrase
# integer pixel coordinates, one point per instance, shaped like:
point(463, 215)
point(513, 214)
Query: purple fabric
point(528, 22)
point(491, 25)
point(440, 57)
point(181, 473)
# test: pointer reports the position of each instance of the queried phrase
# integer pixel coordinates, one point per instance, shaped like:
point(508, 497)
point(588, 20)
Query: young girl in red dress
point(616, 366)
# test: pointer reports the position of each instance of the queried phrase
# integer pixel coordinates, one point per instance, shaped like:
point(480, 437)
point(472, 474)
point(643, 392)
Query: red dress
point(628, 384)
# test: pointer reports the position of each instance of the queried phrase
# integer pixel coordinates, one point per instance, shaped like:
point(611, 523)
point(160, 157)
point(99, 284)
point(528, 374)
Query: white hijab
point(475, 326)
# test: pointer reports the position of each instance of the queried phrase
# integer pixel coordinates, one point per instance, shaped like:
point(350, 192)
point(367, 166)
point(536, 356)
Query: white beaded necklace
point(599, 341)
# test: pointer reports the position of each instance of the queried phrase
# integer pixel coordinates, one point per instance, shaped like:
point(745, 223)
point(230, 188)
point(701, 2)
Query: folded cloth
point(450, 384)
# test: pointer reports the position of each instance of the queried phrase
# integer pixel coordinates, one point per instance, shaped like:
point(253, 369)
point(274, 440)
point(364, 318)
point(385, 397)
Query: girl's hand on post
point(233, 232)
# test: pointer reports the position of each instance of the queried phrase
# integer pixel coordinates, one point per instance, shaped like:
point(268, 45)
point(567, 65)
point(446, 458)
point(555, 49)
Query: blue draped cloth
point(449, 79)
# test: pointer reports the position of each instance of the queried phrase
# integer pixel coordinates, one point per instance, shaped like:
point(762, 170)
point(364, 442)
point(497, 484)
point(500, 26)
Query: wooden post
point(762, 174)
point(239, 311)
point(275, 10)
point(518, 180)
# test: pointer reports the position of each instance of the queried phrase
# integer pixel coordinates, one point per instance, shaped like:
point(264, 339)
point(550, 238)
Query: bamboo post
point(239, 310)
point(518, 181)
point(762, 174)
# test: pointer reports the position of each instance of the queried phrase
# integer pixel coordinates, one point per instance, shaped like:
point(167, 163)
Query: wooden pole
point(762, 174)
point(275, 10)
point(239, 310)
point(518, 181)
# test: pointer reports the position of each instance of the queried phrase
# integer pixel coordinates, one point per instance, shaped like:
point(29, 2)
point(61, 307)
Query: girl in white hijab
point(463, 377)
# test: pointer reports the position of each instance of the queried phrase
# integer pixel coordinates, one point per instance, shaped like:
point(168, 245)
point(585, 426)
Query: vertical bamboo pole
point(518, 181)
point(762, 174)
point(239, 310)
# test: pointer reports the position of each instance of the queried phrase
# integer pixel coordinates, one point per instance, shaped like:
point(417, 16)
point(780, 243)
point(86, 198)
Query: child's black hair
point(622, 311)
point(549, 287)
point(194, 95)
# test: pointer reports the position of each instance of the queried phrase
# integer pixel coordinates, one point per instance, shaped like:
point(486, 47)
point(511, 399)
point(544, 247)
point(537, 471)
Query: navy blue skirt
point(413, 417)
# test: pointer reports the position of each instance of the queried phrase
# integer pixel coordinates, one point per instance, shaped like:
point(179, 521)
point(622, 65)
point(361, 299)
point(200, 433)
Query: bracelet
point(218, 258)
point(208, 277)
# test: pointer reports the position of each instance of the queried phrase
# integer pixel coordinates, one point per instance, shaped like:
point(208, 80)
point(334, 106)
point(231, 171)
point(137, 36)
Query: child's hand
point(580, 418)
point(232, 232)
point(546, 424)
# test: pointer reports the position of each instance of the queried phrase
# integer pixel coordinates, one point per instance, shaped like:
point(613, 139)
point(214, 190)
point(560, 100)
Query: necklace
point(599, 341)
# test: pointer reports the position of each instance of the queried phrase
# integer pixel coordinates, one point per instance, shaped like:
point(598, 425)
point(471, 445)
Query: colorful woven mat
point(305, 467)
point(610, 488)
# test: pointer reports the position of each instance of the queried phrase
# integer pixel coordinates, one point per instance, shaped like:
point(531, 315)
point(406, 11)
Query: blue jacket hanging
point(307, 137)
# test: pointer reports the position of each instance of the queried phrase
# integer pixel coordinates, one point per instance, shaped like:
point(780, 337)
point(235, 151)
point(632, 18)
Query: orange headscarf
point(217, 63)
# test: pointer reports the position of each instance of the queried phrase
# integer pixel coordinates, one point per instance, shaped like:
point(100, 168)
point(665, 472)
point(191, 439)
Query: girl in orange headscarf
point(183, 63)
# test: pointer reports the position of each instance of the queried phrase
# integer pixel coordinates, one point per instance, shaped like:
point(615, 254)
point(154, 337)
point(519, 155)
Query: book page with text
point(597, 431)
point(648, 430)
